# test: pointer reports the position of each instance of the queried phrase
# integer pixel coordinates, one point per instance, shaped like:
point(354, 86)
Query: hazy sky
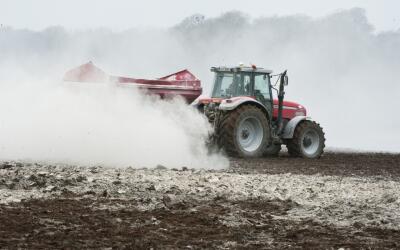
point(122, 14)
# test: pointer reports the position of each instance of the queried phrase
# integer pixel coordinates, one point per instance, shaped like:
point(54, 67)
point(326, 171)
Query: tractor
point(249, 123)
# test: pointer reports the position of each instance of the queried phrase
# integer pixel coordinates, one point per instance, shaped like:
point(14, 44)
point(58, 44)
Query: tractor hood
point(290, 109)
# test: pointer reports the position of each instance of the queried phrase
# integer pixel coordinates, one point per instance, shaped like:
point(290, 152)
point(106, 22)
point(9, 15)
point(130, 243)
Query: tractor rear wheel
point(244, 132)
point(308, 140)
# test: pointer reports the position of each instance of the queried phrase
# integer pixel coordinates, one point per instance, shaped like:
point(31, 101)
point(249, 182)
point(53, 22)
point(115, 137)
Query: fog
point(340, 69)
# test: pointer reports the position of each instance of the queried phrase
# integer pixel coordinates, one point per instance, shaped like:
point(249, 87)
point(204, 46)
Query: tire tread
point(226, 131)
point(294, 144)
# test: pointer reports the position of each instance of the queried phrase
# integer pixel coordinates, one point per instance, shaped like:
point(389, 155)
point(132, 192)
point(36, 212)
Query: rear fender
point(236, 102)
point(288, 131)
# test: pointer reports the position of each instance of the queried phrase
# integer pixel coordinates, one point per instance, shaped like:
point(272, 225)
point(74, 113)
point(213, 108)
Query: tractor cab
point(250, 82)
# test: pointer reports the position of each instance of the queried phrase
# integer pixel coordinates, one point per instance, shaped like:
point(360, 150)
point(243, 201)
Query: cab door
point(262, 91)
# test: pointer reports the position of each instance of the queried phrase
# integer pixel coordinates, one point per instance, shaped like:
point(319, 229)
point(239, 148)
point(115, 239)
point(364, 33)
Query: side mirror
point(286, 80)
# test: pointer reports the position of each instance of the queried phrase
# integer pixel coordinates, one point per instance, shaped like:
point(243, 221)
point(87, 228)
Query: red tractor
point(248, 122)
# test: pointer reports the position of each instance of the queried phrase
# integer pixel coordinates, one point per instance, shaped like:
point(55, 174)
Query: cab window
point(243, 84)
point(223, 86)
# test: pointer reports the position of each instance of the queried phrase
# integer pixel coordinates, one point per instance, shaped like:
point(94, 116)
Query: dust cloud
point(344, 72)
point(101, 124)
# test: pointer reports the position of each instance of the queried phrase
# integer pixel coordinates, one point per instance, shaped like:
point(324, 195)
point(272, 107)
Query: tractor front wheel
point(308, 141)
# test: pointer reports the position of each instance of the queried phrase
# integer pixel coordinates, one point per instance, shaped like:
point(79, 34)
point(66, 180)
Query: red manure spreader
point(248, 122)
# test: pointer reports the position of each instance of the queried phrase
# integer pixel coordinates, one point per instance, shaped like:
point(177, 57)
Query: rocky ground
point(343, 200)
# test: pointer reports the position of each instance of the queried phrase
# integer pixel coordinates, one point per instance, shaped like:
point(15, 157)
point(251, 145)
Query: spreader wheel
point(308, 140)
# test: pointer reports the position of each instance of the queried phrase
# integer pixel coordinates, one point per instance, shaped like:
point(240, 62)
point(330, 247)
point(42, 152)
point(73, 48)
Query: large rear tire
point(244, 132)
point(308, 141)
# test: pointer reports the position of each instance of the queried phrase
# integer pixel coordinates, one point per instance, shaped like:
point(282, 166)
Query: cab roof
point(240, 68)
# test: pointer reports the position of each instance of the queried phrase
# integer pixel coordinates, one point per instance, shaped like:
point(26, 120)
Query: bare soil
point(339, 164)
point(271, 203)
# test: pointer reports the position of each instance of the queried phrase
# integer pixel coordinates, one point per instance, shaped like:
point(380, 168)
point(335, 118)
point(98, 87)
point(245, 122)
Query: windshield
point(228, 84)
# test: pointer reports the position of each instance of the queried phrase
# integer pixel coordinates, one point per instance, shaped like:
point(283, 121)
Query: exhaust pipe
point(281, 95)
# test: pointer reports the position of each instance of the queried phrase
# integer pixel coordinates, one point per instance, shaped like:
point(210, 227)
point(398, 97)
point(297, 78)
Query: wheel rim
point(310, 142)
point(250, 134)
